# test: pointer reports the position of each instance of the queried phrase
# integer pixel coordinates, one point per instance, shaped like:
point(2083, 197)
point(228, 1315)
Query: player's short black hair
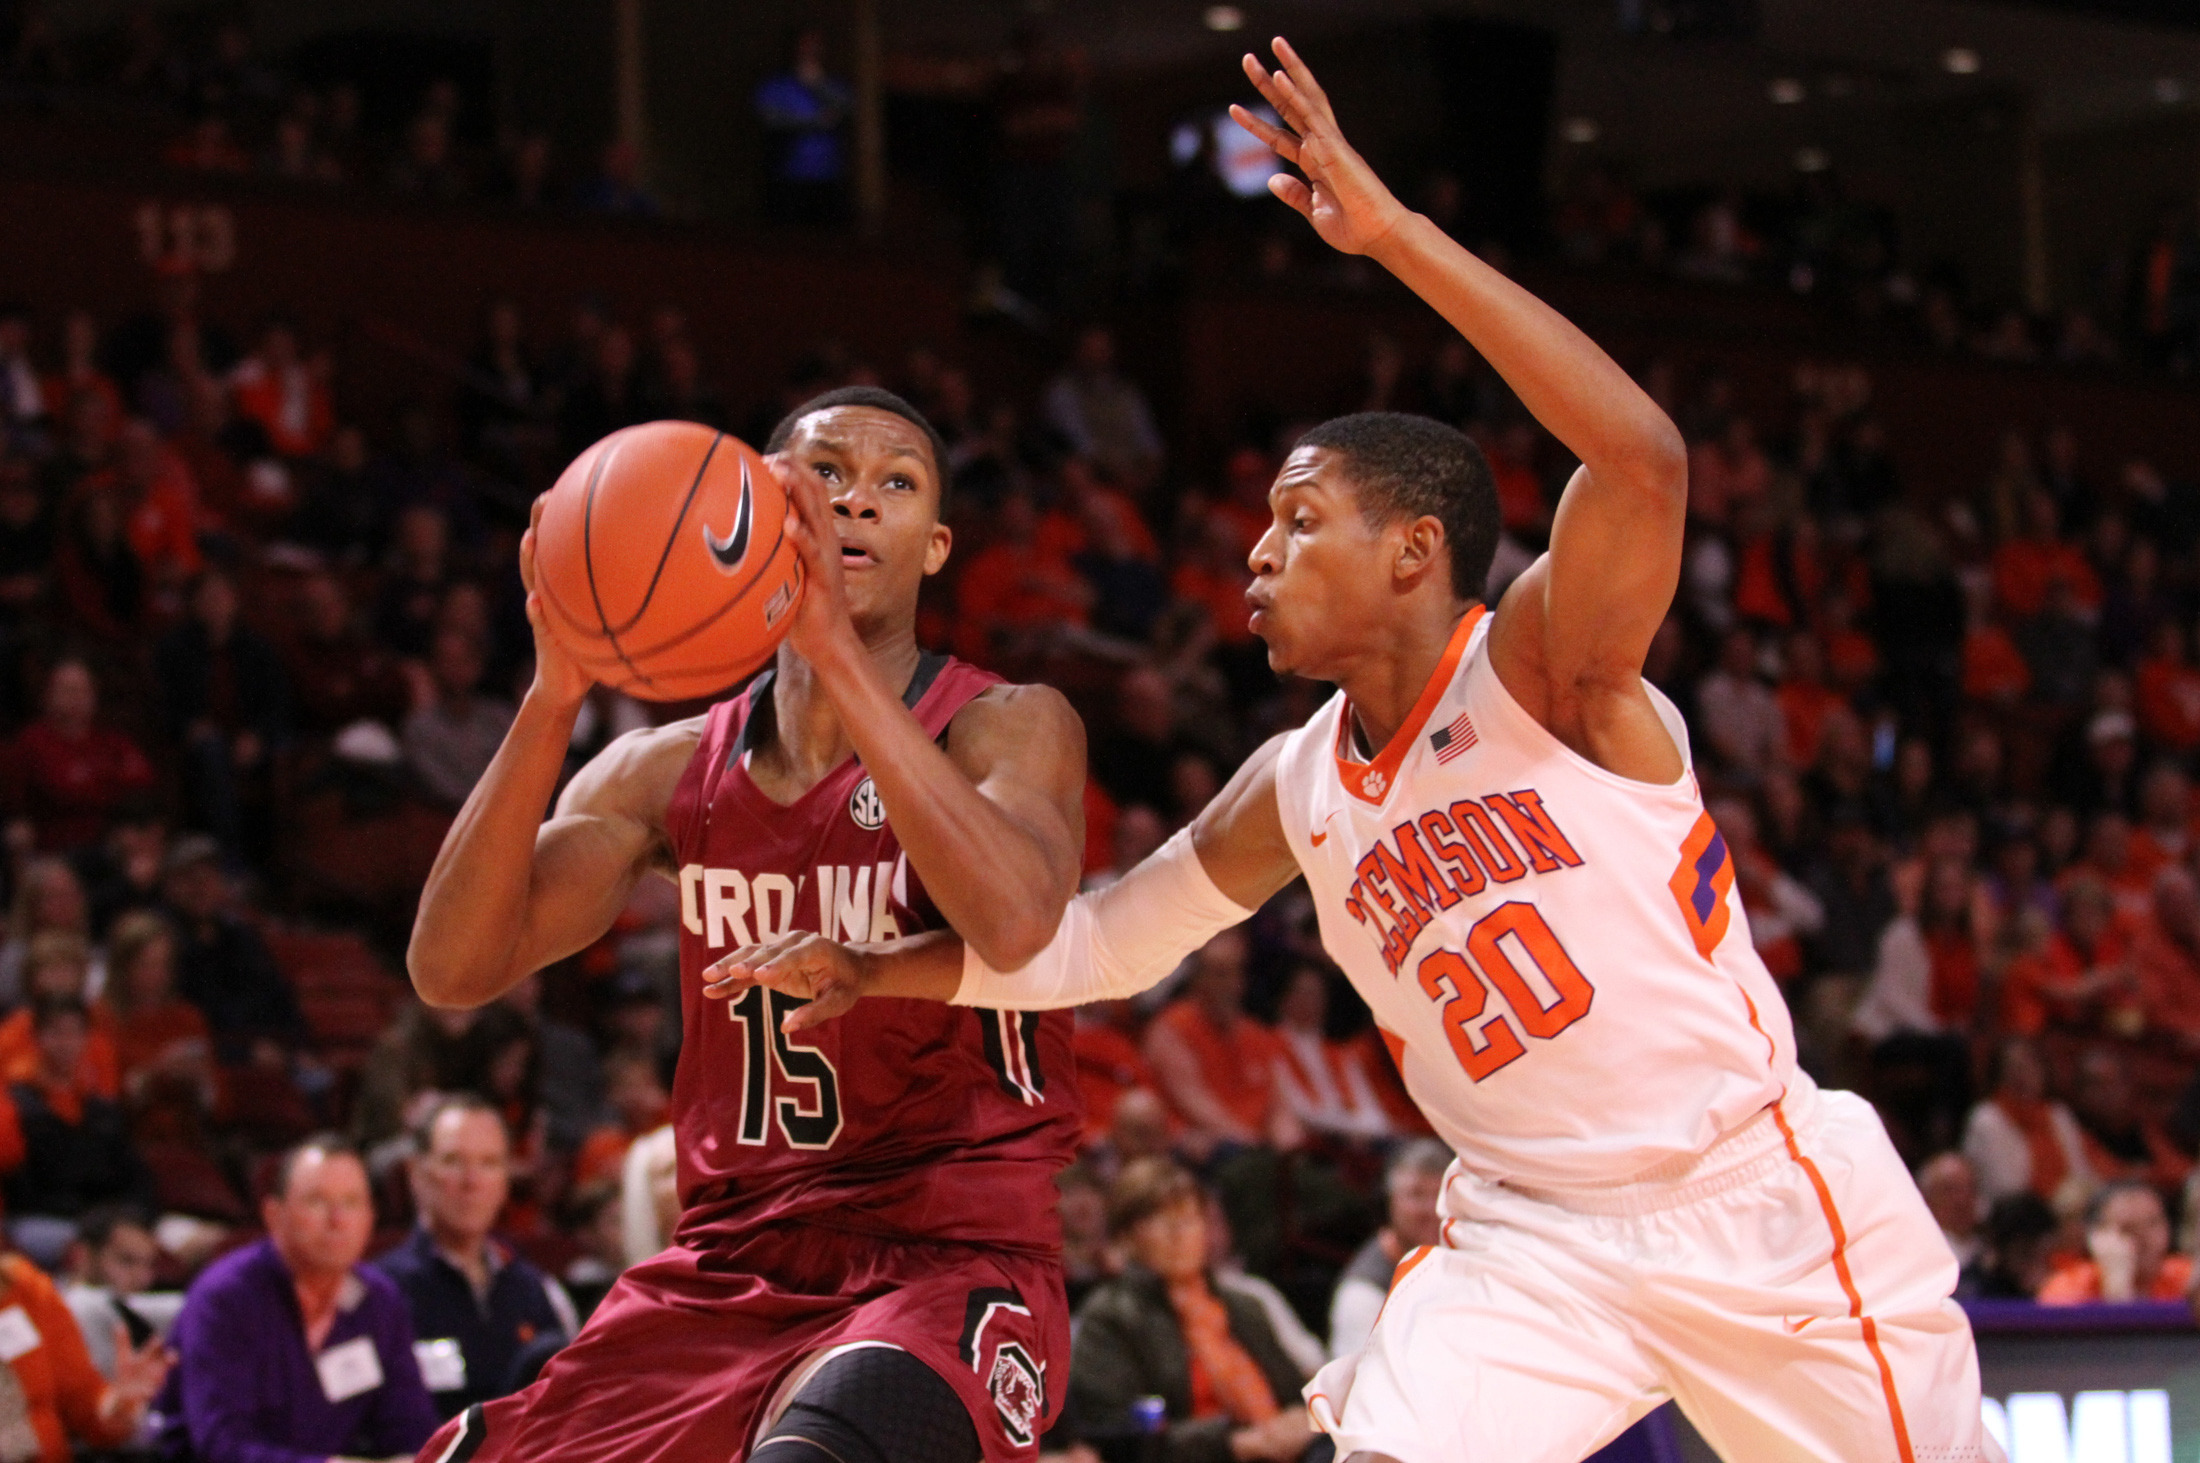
point(1405, 466)
point(878, 398)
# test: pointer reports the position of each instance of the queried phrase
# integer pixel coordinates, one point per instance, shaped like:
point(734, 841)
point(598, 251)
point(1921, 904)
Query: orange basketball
point(663, 559)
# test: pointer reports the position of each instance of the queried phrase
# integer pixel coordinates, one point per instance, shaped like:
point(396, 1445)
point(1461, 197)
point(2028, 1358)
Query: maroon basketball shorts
point(691, 1349)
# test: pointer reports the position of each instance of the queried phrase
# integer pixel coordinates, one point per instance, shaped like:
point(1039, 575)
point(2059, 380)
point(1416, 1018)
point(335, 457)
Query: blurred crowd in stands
point(1001, 150)
point(1947, 729)
point(255, 650)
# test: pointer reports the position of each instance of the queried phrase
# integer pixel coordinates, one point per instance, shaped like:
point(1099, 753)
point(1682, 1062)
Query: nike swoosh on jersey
point(1795, 1328)
point(728, 552)
point(1321, 834)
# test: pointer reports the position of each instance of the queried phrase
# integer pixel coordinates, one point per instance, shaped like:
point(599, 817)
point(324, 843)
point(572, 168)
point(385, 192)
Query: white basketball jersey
point(1556, 954)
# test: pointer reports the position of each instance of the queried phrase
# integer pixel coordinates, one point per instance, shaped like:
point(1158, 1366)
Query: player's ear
point(935, 552)
point(1419, 546)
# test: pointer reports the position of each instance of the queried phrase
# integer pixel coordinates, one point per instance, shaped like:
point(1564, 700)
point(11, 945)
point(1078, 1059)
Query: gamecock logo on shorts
point(1019, 1392)
point(865, 808)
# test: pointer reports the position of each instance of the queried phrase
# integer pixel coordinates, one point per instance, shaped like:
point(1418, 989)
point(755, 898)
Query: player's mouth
point(856, 556)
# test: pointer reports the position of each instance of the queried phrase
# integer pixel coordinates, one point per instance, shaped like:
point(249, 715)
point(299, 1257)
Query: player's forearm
point(922, 967)
point(474, 907)
point(1564, 378)
point(994, 881)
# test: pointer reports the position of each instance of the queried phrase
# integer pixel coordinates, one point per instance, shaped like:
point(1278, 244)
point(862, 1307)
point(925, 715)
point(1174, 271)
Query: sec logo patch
point(865, 807)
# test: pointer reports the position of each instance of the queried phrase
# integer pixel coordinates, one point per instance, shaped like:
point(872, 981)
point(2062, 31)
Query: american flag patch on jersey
point(1450, 741)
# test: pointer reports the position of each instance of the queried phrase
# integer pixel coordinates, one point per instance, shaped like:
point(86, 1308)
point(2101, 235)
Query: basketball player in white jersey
point(1501, 830)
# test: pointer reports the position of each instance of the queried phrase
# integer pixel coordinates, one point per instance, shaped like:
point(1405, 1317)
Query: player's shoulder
point(1007, 710)
point(637, 773)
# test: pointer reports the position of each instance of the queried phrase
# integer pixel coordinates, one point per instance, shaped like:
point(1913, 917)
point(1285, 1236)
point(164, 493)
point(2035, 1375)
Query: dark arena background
point(303, 304)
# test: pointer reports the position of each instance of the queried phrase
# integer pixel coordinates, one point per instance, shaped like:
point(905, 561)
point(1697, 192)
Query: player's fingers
point(1300, 74)
point(1283, 143)
point(1294, 192)
point(1264, 82)
point(827, 1005)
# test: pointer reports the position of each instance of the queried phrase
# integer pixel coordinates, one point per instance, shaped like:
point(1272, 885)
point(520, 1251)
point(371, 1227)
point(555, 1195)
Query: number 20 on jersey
point(1523, 961)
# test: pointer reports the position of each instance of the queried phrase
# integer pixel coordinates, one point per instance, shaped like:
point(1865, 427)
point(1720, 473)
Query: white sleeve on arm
point(1114, 942)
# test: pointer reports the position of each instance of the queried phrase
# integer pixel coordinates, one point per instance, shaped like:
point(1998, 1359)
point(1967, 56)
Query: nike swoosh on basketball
point(728, 552)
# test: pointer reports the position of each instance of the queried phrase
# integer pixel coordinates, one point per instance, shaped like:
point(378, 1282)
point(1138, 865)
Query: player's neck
point(1384, 684)
point(812, 740)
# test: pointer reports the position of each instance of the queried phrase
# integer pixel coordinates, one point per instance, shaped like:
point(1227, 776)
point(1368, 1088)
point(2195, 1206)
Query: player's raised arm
point(994, 821)
point(1569, 640)
point(509, 892)
point(1111, 943)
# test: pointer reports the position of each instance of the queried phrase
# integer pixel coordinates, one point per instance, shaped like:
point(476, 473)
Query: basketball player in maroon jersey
point(866, 1268)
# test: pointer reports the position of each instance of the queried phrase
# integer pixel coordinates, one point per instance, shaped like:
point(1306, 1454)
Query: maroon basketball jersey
point(908, 1119)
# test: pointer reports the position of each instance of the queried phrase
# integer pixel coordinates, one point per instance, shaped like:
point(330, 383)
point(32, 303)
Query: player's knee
point(877, 1404)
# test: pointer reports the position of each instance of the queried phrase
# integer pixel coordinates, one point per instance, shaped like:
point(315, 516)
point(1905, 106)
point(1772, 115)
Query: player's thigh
point(1816, 1322)
point(1486, 1355)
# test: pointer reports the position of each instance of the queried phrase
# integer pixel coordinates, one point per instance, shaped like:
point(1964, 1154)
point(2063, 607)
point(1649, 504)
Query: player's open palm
point(1340, 195)
point(808, 967)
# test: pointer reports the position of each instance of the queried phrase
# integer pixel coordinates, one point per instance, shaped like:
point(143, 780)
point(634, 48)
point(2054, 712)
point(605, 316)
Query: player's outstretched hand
point(558, 676)
point(823, 612)
point(830, 976)
point(1339, 194)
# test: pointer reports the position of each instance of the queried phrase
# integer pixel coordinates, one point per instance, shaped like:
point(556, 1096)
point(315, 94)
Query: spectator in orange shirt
point(1013, 595)
point(1110, 1065)
point(65, 773)
point(1727, 472)
point(1524, 510)
point(58, 967)
point(2164, 834)
point(635, 1093)
point(62, 1394)
point(164, 1050)
point(2128, 1257)
point(2167, 691)
point(285, 394)
point(2120, 1142)
point(1215, 1064)
point(1852, 660)
point(2110, 857)
point(2025, 566)
point(1214, 577)
point(1804, 698)
point(64, 1149)
point(80, 374)
point(1324, 1081)
point(2083, 971)
point(2165, 958)
point(1994, 670)
point(159, 506)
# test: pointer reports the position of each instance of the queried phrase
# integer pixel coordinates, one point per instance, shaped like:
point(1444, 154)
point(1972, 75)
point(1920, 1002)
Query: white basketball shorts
point(1787, 1287)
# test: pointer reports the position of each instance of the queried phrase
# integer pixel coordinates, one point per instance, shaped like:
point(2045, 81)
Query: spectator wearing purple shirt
point(290, 1350)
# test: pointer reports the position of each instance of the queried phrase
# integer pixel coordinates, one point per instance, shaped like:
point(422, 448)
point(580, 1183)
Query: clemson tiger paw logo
point(1374, 783)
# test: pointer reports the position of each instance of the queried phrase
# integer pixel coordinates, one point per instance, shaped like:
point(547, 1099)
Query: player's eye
point(900, 482)
point(1301, 524)
point(825, 470)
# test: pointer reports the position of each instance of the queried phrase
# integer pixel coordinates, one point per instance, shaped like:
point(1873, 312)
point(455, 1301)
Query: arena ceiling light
point(1581, 131)
point(1786, 91)
point(2169, 90)
point(1224, 18)
point(1959, 61)
point(1812, 160)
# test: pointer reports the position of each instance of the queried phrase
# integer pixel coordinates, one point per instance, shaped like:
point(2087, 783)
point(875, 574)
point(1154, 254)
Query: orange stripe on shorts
point(1848, 1284)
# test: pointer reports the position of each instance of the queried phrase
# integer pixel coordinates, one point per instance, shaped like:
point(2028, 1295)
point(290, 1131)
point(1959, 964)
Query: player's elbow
point(441, 981)
point(1659, 460)
point(1011, 943)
